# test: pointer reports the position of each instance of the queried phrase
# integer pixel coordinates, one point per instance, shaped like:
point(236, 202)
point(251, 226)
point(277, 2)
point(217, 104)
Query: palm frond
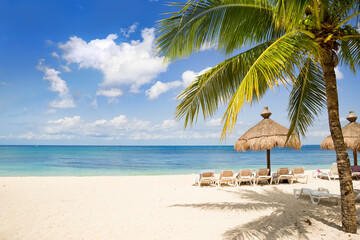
point(216, 86)
point(289, 13)
point(349, 55)
point(276, 64)
point(307, 98)
point(225, 24)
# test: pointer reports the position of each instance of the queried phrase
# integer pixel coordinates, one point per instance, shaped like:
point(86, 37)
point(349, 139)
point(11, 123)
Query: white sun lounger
point(283, 174)
point(226, 176)
point(245, 175)
point(299, 172)
point(263, 176)
point(205, 176)
point(316, 195)
point(333, 173)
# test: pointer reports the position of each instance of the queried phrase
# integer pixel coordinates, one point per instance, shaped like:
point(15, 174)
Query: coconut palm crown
point(296, 43)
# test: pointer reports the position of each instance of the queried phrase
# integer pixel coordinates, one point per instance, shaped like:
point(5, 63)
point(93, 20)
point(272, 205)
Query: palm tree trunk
point(348, 211)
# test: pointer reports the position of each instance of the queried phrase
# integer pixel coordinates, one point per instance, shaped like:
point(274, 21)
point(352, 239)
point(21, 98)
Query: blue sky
point(84, 72)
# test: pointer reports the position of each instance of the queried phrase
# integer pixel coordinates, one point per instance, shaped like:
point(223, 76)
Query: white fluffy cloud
point(125, 64)
point(168, 124)
point(189, 76)
point(113, 92)
point(129, 30)
point(207, 46)
point(58, 85)
point(109, 129)
point(55, 55)
point(214, 122)
point(117, 122)
point(338, 73)
point(160, 87)
point(65, 68)
point(64, 125)
point(116, 128)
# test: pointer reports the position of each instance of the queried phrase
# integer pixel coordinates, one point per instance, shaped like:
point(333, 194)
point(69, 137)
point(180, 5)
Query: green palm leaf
point(284, 31)
point(289, 13)
point(307, 98)
point(350, 53)
point(216, 86)
point(277, 63)
point(224, 23)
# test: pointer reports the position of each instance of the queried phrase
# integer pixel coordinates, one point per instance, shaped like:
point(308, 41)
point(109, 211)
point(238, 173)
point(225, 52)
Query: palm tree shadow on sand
point(290, 217)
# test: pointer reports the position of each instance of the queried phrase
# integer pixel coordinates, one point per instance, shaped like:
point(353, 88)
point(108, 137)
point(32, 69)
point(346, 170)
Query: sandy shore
point(162, 207)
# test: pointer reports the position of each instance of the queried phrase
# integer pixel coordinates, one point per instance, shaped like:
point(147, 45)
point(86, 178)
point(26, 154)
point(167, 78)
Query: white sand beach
point(162, 207)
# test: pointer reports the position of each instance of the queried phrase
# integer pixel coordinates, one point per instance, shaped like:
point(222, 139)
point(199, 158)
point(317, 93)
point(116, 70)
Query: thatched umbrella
point(351, 133)
point(266, 135)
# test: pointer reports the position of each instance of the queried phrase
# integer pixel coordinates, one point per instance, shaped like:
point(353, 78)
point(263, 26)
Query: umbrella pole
point(355, 157)
point(268, 159)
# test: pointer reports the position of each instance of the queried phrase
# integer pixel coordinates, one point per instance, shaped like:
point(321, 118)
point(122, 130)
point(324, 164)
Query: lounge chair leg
point(313, 200)
point(295, 193)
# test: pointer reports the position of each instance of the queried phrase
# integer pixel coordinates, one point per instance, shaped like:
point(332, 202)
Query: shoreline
point(195, 173)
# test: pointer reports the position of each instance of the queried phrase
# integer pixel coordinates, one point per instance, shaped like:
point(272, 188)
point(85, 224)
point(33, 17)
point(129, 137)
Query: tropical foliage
point(296, 43)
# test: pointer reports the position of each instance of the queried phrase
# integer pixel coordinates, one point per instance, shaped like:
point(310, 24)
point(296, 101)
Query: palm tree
point(296, 43)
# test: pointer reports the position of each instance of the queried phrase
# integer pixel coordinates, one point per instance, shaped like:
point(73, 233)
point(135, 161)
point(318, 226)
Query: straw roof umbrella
point(266, 135)
point(351, 133)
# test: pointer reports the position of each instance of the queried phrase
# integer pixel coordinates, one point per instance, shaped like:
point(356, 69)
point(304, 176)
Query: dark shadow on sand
point(290, 216)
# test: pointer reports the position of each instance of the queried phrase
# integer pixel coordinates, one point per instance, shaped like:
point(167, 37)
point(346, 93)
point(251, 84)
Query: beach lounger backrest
point(298, 170)
point(245, 172)
point(283, 171)
point(227, 173)
point(263, 172)
point(207, 175)
point(334, 169)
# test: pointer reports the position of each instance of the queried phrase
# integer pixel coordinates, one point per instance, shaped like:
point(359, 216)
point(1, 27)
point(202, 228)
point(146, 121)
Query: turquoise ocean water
point(149, 160)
